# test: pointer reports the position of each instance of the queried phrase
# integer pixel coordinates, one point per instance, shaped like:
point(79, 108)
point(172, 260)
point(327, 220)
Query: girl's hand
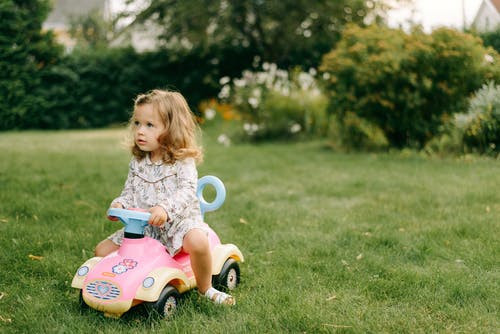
point(158, 216)
point(115, 205)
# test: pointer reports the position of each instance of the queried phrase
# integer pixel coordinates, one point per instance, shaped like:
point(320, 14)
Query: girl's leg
point(195, 243)
point(105, 247)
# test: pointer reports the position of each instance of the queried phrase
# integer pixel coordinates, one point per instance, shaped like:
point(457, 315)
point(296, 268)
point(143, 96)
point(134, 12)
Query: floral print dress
point(171, 186)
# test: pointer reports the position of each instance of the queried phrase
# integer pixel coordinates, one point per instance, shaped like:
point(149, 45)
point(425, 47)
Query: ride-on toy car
point(142, 271)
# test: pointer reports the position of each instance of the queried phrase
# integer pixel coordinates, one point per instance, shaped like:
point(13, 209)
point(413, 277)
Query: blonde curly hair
point(180, 138)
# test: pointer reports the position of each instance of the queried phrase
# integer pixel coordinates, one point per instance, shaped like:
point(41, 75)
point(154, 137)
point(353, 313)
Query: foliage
point(275, 104)
point(27, 55)
point(355, 133)
point(406, 84)
point(94, 87)
point(491, 38)
point(481, 123)
point(286, 32)
point(476, 131)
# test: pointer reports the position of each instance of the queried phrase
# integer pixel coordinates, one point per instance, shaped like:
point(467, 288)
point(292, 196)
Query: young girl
point(162, 178)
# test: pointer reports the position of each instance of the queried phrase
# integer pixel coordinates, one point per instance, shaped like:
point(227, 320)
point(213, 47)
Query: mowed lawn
point(334, 242)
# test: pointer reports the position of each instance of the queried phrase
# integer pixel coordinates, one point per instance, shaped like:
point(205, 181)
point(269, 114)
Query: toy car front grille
point(104, 290)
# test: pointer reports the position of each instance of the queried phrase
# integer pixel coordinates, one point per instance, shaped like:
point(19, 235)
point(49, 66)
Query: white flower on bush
point(239, 83)
point(295, 128)
point(224, 140)
point(257, 92)
point(225, 92)
point(282, 74)
point(315, 92)
point(250, 128)
point(306, 23)
point(209, 113)
point(306, 80)
point(279, 91)
point(186, 43)
point(261, 77)
point(285, 91)
point(254, 102)
point(488, 58)
point(256, 61)
point(224, 80)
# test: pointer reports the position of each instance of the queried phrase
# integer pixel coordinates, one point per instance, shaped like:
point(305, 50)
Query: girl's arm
point(126, 197)
point(178, 205)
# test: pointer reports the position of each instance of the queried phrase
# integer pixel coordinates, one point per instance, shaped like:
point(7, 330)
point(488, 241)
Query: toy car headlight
point(83, 270)
point(148, 282)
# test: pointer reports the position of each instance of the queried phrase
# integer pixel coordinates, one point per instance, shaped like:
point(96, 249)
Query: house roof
point(496, 3)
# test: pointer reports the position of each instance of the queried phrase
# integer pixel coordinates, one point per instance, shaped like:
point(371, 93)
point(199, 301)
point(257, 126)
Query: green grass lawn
point(351, 243)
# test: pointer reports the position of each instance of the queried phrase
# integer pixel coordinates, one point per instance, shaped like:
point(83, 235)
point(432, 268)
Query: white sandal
point(219, 297)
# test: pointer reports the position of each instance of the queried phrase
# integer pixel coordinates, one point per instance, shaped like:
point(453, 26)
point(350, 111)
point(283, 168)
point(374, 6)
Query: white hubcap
point(232, 279)
point(170, 306)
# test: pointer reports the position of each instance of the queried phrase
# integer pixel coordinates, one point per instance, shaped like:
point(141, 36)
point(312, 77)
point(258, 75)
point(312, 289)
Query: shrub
point(27, 54)
point(475, 131)
point(275, 104)
point(406, 84)
point(356, 133)
point(481, 123)
point(96, 87)
point(491, 38)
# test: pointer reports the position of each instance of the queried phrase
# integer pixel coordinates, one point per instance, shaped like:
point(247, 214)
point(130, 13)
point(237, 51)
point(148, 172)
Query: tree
point(25, 53)
point(285, 32)
point(491, 38)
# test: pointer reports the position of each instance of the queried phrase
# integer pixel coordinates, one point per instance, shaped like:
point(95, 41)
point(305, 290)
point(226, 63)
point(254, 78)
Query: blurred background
point(362, 74)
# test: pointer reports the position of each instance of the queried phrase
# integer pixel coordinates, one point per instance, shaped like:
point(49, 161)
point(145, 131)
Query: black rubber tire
point(229, 276)
point(83, 304)
point(167, 303)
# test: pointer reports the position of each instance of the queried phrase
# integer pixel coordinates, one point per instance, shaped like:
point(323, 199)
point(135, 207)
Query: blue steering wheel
point(134, 221)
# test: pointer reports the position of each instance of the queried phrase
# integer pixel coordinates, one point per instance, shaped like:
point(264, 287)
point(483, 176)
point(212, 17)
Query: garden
point(361, 168)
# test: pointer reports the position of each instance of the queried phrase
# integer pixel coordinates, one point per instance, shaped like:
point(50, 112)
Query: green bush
point(406, 84)
point(491, 38)
point(481, 123)
point(27, 55)
point(96, 87)
point(276, 104)
point(475, 131)
point(355, 133)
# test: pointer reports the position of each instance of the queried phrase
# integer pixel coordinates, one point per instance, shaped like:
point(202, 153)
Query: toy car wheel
point(82, 302)
point(167, 302)
point(229, 276)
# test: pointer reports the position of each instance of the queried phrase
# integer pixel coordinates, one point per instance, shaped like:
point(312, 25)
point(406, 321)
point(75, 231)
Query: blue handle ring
point(220, 193)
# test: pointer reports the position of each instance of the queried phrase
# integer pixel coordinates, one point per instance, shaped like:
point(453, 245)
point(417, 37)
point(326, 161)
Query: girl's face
point(148, 126)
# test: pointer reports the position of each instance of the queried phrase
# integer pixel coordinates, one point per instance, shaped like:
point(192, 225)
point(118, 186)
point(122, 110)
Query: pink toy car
point(141, 271)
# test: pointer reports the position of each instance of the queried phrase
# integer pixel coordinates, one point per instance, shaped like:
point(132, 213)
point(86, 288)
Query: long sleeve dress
point(171, 186)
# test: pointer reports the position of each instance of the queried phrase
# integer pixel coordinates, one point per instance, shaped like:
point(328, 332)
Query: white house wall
point(487, 18)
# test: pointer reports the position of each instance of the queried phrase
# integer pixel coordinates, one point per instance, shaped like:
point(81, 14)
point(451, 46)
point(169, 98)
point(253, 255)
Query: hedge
point(407, 84)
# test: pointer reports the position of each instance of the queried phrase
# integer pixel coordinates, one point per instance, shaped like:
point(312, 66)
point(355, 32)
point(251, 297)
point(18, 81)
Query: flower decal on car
point(129, 263)
point(123, 266)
